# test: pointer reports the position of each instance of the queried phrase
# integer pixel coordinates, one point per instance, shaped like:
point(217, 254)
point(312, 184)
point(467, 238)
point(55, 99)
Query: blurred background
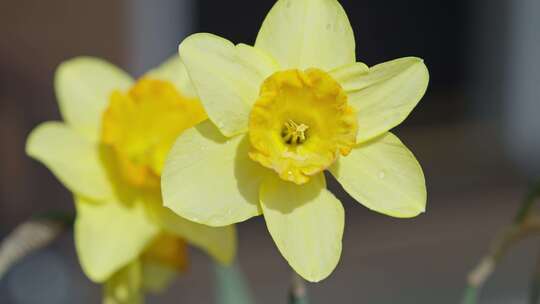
point(476, 134)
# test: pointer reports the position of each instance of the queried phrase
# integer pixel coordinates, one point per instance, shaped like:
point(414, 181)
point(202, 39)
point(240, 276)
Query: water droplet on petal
point(381, 174)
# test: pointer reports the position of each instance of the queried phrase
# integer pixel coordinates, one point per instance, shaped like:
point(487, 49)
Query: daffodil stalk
point(231, 286)
point(534, 294)
point(27, 238)
point(525, 224)
point(528, 203)
point(298, 291)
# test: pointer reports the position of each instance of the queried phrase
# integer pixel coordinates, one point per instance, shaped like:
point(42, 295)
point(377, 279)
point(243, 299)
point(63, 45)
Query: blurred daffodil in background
point(281, 113)
point(109, 152)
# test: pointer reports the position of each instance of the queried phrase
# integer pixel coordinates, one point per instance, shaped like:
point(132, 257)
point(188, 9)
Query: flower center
point(293, 133)
point(140, 126)
point(300, 124)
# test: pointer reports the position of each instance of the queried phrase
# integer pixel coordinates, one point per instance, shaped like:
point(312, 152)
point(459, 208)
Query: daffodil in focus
point(109, 152)
point(281, 113)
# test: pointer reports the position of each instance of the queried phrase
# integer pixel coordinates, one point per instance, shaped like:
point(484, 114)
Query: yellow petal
point(351, 76)
point(384, 176)
point(83, 86)
point(109, 236)
point(306, 223)
point(74, 160)
point(125, 286)
point(308, 33)
point(174, 71)
point(218, 242)
point(210, 179)
point(226, 77)
point(384, 96)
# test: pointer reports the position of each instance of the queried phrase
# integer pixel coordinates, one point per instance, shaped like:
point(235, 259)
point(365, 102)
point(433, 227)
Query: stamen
point(294, 133)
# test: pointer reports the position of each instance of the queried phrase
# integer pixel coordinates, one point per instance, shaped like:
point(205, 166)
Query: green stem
point(66, 219)
point(471, 295)
point(231, 285)
point(25, 239)
point(534, 294)
point(298, 292)
point(522, 226)
point(528, 202)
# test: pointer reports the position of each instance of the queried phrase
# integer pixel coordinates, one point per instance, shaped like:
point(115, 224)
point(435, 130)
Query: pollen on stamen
point(294, 133)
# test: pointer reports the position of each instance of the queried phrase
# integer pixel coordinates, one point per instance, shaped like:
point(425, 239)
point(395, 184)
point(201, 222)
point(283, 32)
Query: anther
point(294, 133)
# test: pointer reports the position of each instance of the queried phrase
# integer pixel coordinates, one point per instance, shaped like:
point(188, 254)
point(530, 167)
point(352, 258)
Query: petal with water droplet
point(384, 176)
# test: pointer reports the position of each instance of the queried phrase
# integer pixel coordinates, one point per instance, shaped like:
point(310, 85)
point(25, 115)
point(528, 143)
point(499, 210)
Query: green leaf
point(231, 286)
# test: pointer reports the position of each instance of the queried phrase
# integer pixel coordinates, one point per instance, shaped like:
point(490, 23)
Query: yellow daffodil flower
point(283, 112)
point(109, 152)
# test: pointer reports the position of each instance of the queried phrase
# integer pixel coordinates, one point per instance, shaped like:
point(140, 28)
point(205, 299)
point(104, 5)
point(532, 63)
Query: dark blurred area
point(436, 31)
point(475, 134)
